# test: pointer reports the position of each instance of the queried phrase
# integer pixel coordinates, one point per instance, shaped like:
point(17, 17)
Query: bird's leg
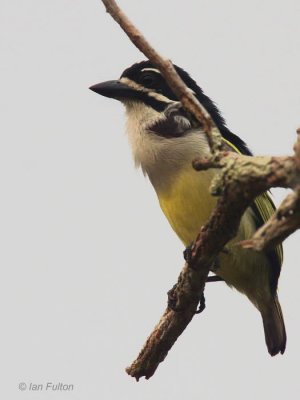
point(187, 254)
point(214, 278)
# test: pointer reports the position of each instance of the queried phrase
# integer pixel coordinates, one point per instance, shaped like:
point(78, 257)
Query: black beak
point(113, 89)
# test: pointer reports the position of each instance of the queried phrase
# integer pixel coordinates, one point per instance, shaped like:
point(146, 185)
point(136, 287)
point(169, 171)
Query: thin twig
point(186, 97)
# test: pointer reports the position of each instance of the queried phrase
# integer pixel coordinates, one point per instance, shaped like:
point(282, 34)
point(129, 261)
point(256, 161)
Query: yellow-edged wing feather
point(265, 208)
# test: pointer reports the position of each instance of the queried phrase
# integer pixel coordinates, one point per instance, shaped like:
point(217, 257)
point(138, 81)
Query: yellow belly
point(188, 204)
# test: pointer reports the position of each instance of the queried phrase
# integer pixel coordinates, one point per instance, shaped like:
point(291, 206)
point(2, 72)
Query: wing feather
point(263, 208)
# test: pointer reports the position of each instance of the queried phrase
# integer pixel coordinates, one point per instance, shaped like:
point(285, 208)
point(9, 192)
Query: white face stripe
point(137, 86)
point(161, 97)
point(151, 69)
point(133, 84)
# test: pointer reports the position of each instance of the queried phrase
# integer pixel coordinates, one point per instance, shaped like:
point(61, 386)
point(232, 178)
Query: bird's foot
point(187, 254)
point(201, 305)
point(172, 299)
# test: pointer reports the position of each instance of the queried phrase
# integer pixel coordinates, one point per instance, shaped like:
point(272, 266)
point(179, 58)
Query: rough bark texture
point(241, 179)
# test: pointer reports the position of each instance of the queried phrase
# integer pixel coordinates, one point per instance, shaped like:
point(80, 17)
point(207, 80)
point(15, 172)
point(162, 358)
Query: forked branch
point(240, 181)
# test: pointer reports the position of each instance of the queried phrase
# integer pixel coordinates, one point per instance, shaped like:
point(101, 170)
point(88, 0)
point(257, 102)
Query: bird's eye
point(148, 79)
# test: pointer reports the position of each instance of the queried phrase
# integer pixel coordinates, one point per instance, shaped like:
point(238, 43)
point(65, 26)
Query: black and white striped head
point(142, 83)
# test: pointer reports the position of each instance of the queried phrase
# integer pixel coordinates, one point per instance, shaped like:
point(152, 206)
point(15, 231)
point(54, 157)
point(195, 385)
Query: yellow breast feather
point(187, 202)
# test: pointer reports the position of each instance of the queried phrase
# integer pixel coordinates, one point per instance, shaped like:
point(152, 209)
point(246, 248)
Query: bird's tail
point(275, 334)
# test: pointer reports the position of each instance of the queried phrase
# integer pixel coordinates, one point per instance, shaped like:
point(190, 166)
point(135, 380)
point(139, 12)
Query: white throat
point(159, 157)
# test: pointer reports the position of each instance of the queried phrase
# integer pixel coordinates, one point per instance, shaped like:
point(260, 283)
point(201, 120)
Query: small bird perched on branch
point(165, 140)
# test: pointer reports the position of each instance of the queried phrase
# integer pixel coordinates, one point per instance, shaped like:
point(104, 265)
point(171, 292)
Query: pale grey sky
point(86, 254)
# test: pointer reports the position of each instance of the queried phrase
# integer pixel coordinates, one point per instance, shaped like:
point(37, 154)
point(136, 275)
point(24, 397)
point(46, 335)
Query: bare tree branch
point(240, 180)
point(236, 183)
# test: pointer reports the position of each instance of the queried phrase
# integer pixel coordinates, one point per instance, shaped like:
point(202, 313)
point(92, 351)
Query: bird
point(165, 140)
